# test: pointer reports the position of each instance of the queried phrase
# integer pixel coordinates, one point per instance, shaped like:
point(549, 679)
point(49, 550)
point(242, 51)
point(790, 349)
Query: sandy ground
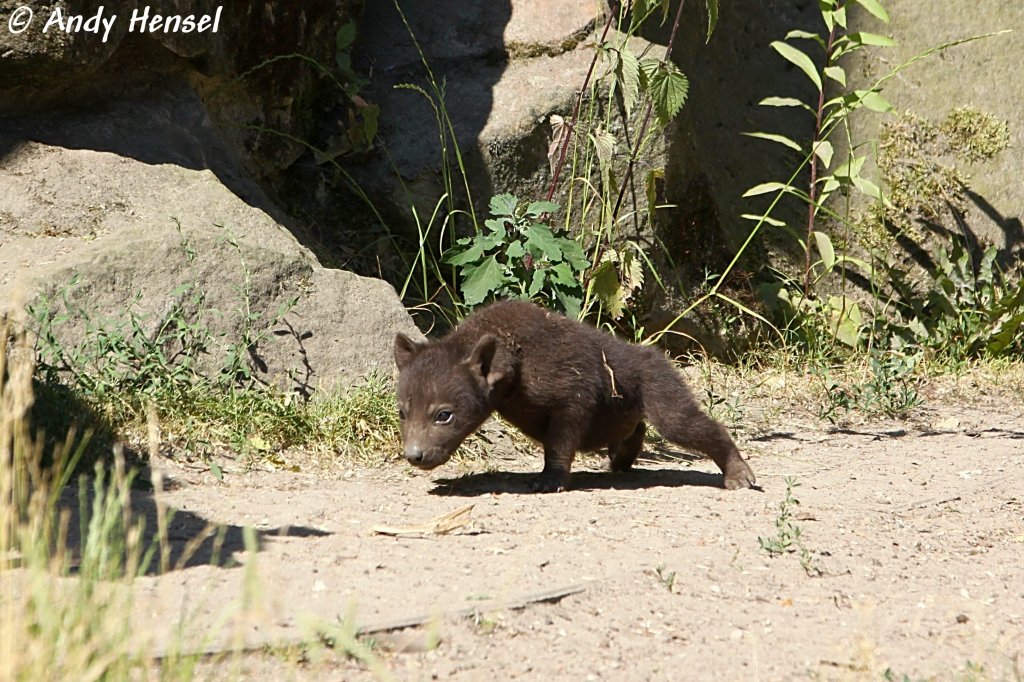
point(914, 533)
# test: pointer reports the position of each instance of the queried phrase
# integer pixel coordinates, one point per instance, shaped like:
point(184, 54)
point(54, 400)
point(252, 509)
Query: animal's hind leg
point(672, 409)
point(696, 430)
point(624, 454)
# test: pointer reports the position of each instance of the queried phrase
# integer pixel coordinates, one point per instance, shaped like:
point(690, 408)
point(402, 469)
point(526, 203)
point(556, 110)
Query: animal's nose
point(414, 454)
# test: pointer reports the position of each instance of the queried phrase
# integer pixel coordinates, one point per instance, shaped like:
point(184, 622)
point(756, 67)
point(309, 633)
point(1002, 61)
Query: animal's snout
point(414, 454)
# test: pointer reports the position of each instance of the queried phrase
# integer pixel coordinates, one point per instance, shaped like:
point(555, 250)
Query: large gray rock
point(103, 229)
point(505, 68)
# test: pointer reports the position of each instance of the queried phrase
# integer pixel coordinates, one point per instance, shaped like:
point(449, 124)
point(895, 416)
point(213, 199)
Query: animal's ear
point(406, 350)
point(490, 361)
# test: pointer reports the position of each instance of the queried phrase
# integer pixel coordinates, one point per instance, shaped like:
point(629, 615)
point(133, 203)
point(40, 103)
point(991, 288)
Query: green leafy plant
point(647, 90)
point(666, 577)
point(788, 536)
point(358, 132)
point(891, 387)
point(518, 256)
point(832, 172)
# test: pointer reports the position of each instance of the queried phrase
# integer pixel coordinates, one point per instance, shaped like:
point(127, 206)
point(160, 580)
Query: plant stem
point(647, 118)
point(812, 194)
point(571, 125)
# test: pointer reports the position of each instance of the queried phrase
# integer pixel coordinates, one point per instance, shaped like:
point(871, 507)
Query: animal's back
point(559, 359)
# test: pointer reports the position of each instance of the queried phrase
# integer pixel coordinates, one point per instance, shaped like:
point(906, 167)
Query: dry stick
point(381, 626)
point(570, 128)
point(466, 611)
point(647, 118)
point(930, 502)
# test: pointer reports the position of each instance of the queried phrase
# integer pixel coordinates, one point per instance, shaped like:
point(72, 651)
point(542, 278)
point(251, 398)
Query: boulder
point(505, 68)
point(102, 234)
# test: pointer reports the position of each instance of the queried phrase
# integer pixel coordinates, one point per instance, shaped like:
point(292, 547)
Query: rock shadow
point(191, 540)
point(459, 50)
point(155, 124)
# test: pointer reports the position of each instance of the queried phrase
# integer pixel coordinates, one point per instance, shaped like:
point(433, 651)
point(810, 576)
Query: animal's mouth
point(430, 460)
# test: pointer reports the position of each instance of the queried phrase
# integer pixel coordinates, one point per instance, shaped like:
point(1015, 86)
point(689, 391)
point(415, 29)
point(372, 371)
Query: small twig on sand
point(932, 501)
point(215, 649)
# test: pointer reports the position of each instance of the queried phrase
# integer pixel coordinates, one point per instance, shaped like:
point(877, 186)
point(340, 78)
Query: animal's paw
point(739, 476)
point(549, 483)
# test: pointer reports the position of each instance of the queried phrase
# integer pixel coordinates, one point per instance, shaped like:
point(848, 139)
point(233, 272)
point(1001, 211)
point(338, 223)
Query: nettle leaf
point(503, 205)
point(643, 8)
point(649, 68)
point(669, 88)
point(541, 243)
point(798, 59)
point(627, 73)
point(773, 137)
point(539, 208)
point(651, 183)
point(604, 145)
point(480, 280)
point(605, 284)
point(631, 271)
point(875, 8)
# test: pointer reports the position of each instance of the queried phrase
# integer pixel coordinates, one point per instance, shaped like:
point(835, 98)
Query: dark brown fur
point(562, 383)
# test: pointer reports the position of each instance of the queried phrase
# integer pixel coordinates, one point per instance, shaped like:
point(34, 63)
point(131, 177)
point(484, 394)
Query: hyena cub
point(562, 383)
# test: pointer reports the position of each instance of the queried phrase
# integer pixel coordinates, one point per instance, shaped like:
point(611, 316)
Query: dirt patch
point(917, 533)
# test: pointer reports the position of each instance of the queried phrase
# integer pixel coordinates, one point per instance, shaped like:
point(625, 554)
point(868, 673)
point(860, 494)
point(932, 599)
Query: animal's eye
point(443, 417)
point(401, 414)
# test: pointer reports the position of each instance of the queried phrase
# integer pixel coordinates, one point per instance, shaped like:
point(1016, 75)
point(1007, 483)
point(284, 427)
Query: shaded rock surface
point(257, 103)
point(505, 68)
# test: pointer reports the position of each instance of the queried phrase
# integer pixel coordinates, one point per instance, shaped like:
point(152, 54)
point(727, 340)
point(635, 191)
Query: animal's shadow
point(483, 483)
